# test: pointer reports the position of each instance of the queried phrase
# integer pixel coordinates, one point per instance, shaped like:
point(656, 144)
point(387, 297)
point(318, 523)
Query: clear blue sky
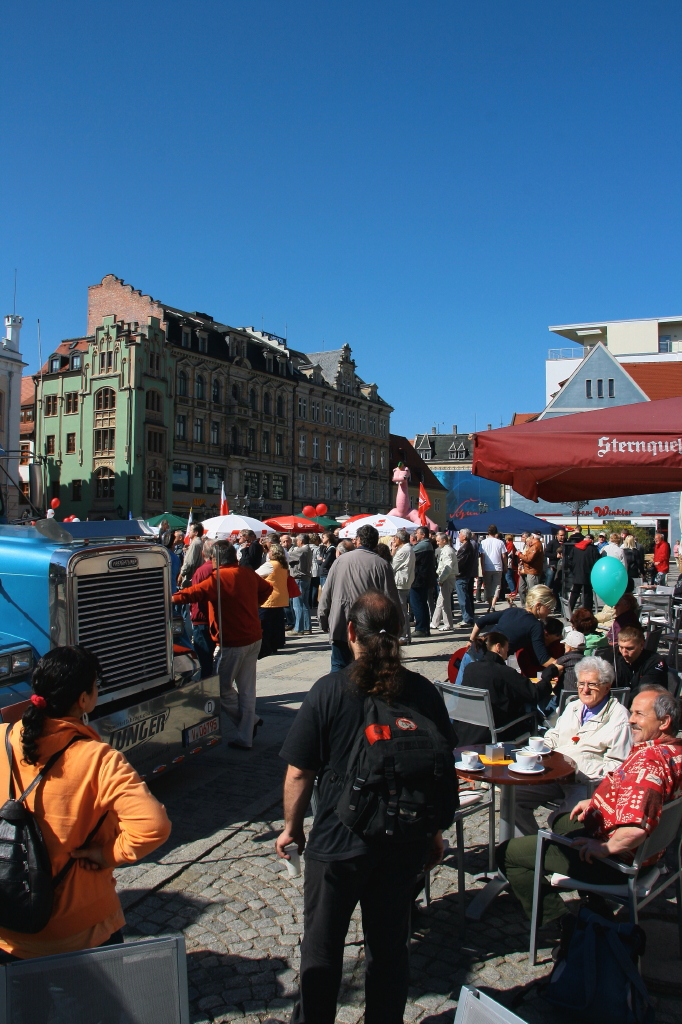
point(432, 182)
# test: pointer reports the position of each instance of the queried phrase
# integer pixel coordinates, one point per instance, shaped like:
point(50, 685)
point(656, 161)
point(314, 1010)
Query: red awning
point(631, 449)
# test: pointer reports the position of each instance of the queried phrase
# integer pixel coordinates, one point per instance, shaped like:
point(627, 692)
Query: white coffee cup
point(527, 761)
point(293, 865)
point(536, 743)
point(470, 759)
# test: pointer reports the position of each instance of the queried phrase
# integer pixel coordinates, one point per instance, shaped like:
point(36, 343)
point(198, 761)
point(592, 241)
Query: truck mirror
point(51, 530)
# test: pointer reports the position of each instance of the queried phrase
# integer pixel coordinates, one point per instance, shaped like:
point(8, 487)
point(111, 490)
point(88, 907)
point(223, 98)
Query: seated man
point(510, 692)
point(634, 665)
point(622, 813)
point(592, 731)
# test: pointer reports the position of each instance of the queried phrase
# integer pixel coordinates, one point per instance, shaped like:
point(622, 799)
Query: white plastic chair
point(474, 1007)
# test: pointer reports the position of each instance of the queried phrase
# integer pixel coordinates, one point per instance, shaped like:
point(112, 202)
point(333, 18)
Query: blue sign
point(466, 492)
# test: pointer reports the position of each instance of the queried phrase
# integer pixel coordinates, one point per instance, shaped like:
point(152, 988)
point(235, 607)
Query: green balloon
point(609, 578)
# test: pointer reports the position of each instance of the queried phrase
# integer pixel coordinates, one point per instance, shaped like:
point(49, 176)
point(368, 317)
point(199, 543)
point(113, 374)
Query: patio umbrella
point(326, 522)
point(174, 522)
point(386, 526)
point(226, 527)
point(294, 524)
point(630, 449)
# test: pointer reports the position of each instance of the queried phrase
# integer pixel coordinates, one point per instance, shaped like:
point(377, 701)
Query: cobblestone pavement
point(218, 881)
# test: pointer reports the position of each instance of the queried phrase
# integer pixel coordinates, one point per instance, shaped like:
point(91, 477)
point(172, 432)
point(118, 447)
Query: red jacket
point(242, 591)
point(662, 556)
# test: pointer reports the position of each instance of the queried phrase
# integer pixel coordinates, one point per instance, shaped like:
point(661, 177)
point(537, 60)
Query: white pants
point(443, 609)
point(491, 580)
point(238, 668)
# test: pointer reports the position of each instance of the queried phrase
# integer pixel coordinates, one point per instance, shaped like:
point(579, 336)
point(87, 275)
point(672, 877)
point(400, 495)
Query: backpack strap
point(61, 875)
point(392, 805)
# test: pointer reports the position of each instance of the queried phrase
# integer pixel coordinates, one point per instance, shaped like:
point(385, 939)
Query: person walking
point(447, 574)
point(466, 574)
point(314, 571)
point(194, 555)
point(585, 557)
point(634, 562)
point(275, 571)
point(554, 553)
point(531, 565)
point(512, 573)
point(326, 553)
point(93, 811)
point(198, 613)
point(353, 573)
point(403, 571)
point(661, 560)
point(343, 868)
point(238, 632)
point(494, 556)
point(424, 578)
point(300, 567)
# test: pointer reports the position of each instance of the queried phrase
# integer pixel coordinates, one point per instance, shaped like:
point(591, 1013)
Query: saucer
point(526, 771)
point(465, 768)
point(527, 750)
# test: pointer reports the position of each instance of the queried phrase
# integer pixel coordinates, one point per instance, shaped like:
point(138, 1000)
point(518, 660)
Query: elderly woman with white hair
point(592, 731)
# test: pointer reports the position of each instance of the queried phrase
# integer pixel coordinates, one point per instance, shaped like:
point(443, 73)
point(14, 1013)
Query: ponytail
point(377, 670)
point(59, 678)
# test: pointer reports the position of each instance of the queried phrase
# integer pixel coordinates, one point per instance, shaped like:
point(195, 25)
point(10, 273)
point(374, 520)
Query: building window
point(215, 433)
point(600, 388)
point(251, 439)
point(315, 411)
point(214, 479)
point(280, 411)
point(372, 458)
point(340, 416)
point(153, 401)
point(182, 383)
point(26, 416)
point(351, 454)
point(265, 442)
point(104, 483)
point(382, 428)
point(105, 398)
point(279, 444)
point(155, 441)
point(71, 402)
point(236, 393)
point(49, 444)
point(316, 486)
point(302, 485)
point(328, 487)
point(251, 484)
point(373, 491)
point(268, 363)
point(426, 454)
point(436, 504)
point(181, 428)
point(200, 388)
point(328, 450)
point(51, 405)
point(267, 403)
point(338, 493)
point(186, 339)
point(199, 478)
point(382, 493)
point(55, 364)
point(203, 343)
point(612, 388)
point(339, 451)
point(279, 486)
point(351, 419)
point(382, 459)
point(361, 419)
point(70, 444)
point(199, 430)
point(76, 490)
point(25, 448)
point(154, 485)
point(302, 446)
point(665, 343)
point(215, 390)
point(180, 476)
point(363, 455)
point(105, 441)
point(253, 401)
point(303, 408)
point(316, 447)
point(588, 388)
point(351, 488)
point(265, 485)
point(106, 362)
point(328, 414)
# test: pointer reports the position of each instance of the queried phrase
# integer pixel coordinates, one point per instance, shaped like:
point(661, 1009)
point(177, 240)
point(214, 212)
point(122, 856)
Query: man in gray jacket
point(300, 567)
point(349, 577)
point(403, 571)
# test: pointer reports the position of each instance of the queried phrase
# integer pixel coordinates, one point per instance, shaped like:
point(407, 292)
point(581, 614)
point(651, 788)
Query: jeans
point(550, 573)
point(466, 604)
point(302, 606)
point(382, 881)
point(341, 655)
point(443, 609)
point(404, 596)
point(290, 614)
point(511, 582)
point(314, 588)
point(203, 647)
point(420, 607)
point(527, 581)
point(237, 667)
point(660, 579)
point(588, 596)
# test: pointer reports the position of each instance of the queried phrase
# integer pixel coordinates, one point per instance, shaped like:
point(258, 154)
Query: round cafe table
point(557, 768)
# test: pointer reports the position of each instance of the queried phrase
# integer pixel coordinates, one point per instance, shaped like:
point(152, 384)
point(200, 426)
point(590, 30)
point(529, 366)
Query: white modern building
point(11, 365)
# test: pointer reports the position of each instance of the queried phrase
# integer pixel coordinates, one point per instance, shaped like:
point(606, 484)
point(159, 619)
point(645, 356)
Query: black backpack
point(26, 884)
point(400, 784)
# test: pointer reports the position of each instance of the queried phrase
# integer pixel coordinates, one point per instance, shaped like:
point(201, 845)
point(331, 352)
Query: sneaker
point(443, 629)
point(419, 632)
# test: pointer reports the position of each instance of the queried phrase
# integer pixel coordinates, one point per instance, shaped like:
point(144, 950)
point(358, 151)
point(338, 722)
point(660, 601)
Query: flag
point(189, 523)
point(424, 503)
point(224, 507)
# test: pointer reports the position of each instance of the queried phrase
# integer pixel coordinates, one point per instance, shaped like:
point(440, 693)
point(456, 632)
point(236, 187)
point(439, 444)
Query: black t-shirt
point(520, 627)
point(321, 739)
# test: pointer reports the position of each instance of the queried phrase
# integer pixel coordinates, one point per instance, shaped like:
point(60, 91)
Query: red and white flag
point(424, 503)
point(189, 523)
point(224, 507)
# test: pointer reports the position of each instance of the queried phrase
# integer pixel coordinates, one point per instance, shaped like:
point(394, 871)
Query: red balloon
point(55, 503)
point(321, 510)
point(308, 511)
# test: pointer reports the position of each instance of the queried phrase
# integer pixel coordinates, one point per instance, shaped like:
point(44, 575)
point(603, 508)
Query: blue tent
point(507, 520)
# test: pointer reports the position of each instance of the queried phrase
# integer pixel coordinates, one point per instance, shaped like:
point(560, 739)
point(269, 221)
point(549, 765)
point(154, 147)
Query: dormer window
point(426, 454)
point(186, 338)
point(203, 342)
point(55, 363)
point(76, 361)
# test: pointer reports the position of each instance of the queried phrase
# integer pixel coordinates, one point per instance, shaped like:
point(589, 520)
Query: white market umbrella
point(226, 527)
point(385, 525)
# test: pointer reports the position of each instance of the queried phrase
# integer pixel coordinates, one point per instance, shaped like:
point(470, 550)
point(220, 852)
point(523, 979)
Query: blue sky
point(433, 183)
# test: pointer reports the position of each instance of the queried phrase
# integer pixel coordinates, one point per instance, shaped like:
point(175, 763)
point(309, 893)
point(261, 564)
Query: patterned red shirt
point(634, 793)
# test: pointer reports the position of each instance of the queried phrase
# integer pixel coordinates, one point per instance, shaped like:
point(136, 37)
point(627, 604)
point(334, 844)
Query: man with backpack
point(379, 742)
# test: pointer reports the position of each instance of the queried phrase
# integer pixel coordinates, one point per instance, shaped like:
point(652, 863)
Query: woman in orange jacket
point(91, 783)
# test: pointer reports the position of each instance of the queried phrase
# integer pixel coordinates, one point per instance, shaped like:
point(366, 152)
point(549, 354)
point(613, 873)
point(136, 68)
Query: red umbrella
point(294, 524)
point(630, 449)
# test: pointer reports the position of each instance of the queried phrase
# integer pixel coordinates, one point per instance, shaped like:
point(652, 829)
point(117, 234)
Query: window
point(372, 424)
point(363, 455)
point(338, 493)
point(316, 486)
point(26, 416)
point(315, 411)
point(612, 388)
point(268, 363)
point(328, 487)
point(106, 362)
point(382, 493)
point(180, 476)
point(105, 398)
point(200, 391)
point(155, 441)
point(215, 432)
point(340, 416)
point(373, 458)
point(153, 401)
point(279, 444)
point(351, 488)
point(182, 383)
point(436, 503)
point(234, 436)
point(236, 393)
point(461, 452)
point(55, 364)
point(198, 478)
point(302, 485)
point(76, 361)
point(280, 412)
point(49, 444)
point(51, 405)
point(328, 451)
point(382, 428)
point(71, 402)
point(76, 490)
point(279, 486)
point(302, 445)
point(361, 422)
point(251, 484)
point(339, 451)
point(351, 454)
point(351, 419)
point(600, 388)
point(55, 488)
point(328, 414)
point(382, 459)
point(267, 403)
point(265, 485)
point(588, 388)
point(181, 428)
point(186, 339)
point(316, 447)
point(215, 391)
point(303, 408)
point(70, 444)
point(203, 343)
point(105, 441)
point(25, 448)
point(426, 454)
point(373, 491)
point(214, 479)
point(154, 485)
point(665, 343)
point(265, 442)
point(251, 439)
point(253, 400)
point(104, 483)
point(199, 430)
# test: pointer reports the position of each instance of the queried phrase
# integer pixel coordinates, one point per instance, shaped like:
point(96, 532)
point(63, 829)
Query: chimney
point(454, 428)
point(12, 330)
point(433, 430)
point(490, 426)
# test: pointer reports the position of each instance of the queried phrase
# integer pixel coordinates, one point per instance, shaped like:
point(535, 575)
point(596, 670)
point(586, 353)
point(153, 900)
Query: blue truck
point(106, 585)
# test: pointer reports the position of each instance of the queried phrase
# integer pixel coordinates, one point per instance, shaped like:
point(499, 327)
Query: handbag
point(293, 589)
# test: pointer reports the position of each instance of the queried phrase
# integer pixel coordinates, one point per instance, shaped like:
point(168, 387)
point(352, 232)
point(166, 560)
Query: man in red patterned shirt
point(623, 811)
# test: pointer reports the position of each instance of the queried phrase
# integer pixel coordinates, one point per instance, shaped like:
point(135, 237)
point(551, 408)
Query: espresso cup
point(527, 761)
point(469, 758)
point(536, 743)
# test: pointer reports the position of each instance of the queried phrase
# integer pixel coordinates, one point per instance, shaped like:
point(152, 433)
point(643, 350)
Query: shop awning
point(631, 449)
point(507, 520)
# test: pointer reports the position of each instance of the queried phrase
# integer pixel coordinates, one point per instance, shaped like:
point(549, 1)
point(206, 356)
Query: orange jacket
point(532, 558)
point(89, 779)
point(242, 592)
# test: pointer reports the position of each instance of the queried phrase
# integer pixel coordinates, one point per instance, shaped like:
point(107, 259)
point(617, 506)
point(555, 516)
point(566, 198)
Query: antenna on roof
point(285, 331)
point(323, 344)
point(14, 310)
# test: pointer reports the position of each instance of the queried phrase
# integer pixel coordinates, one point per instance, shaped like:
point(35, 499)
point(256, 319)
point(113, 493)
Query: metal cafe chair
point(619, 692)
point(640, 884)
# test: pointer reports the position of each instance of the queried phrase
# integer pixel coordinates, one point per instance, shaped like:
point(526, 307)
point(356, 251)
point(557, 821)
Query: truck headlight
point(4, 667)
point(22, 661)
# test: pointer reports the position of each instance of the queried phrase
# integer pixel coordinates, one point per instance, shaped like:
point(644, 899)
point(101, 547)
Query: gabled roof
point(598, 351)
point(328, 363)
point(524, 417)
point(442, 444)
point(402, 450)
point(65, 348)
point(657, 380)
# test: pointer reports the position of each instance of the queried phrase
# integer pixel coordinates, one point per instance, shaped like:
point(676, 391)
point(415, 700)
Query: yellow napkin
point(486, 760)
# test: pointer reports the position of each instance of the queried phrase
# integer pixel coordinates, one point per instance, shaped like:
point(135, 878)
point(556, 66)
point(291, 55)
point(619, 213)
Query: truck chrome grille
point(121, 617)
